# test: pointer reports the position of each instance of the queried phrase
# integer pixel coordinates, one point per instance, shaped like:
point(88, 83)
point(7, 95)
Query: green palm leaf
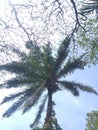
point(70, 87)
point(11, 97)
point(62, 53)
point(13, 108)
point(38, 115)
point(15, 82)
point(17, 68)
point(71, 66)
point(74, 87)
point(34, 98)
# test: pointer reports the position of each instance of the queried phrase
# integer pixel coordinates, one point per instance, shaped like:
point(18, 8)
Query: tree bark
point(48, 119)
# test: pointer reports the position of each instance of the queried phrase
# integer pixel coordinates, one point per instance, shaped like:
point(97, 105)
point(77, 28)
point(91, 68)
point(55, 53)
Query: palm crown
point(39, 71)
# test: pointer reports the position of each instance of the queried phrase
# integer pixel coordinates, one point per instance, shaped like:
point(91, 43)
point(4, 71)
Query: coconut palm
point(40, 74)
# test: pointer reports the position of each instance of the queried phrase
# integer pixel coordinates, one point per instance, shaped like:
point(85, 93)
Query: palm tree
point(40, 74)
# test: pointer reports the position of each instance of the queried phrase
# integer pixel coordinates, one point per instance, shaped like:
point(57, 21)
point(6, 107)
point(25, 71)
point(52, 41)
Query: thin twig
point(17, 19)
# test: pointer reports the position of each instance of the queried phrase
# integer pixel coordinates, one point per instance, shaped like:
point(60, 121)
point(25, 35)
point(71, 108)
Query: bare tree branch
point(17, 19)
point(76, 13)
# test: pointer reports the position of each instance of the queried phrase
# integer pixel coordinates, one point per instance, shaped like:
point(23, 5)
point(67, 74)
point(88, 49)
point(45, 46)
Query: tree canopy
point(41, 42)
point(41, 74)
point(92, 121)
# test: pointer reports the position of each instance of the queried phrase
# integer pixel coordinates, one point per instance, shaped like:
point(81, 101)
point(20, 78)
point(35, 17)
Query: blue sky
point(71, 111)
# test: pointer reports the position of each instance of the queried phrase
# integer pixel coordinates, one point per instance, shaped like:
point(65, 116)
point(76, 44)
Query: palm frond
point(24, 96)
point(70, 87)
point(13, 49)
point(34, 98)
point(11, 97)
point(71, 66)
point(13, 108)
point(15, 82)
point(72, 84)
point(17, 51)
point(38, 115)
point(86, 88)
point(62, 53)
point(16, 67)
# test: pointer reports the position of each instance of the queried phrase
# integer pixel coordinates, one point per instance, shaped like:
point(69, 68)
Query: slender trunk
point(48, 119)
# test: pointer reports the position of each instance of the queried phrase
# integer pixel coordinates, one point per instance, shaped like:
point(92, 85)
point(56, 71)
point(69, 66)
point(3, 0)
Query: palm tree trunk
point(48, 119)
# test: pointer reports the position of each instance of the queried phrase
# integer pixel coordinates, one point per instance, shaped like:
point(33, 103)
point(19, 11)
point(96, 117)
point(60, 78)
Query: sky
point(70, 111)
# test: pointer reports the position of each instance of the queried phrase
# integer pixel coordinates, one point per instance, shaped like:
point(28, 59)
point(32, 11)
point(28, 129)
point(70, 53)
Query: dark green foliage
point(12, 97)
point(62, 53)
point(71, 66)
point(37, 72)
point(13, 108)
point(16, 82)
point(74, 87)
point(87, 40)
point(32, 98)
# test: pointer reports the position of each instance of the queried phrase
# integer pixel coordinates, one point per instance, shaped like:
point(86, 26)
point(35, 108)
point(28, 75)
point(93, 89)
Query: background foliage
point(92, 121)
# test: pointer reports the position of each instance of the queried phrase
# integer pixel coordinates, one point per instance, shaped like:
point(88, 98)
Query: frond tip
point(13, 108)
point(11, 97)
point(88, 89)
point(74, 87)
